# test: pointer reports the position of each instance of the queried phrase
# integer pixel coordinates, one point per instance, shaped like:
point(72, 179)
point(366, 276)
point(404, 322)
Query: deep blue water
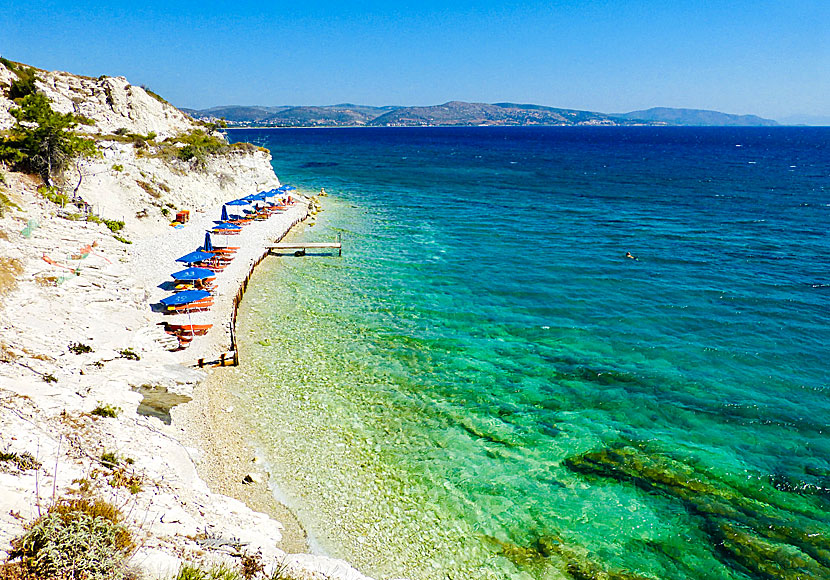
point(485, 386)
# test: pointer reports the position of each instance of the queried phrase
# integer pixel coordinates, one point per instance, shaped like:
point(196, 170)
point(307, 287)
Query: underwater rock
point(550, 551)
point(746, 528)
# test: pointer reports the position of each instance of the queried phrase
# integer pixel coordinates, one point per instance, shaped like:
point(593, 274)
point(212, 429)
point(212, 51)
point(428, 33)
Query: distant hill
point(696, 117)
point(236, 113)
point(288, 116)
point(460, 113)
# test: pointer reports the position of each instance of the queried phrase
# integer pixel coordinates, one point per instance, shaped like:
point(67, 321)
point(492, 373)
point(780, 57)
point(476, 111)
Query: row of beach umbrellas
point(195, 273)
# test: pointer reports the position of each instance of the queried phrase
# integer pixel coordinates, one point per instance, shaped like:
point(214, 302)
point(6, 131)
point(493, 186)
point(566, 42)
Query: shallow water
point(484, 386)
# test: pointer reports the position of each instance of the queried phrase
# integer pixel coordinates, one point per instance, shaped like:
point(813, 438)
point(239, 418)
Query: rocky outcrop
point(112, 102)
point(754, 530)
point(138, 175)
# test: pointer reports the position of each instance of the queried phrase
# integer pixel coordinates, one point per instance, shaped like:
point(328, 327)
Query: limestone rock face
point(112, 102)
point(141, 181)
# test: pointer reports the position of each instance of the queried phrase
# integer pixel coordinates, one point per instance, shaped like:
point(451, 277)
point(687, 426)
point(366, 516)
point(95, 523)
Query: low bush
point(129, 353)
point(106, 411)
point(24, 84)
point(76, 538)
point(79, 348)
point(109, 459)
point(113, 225)
point(21, 461)
point(53, 195)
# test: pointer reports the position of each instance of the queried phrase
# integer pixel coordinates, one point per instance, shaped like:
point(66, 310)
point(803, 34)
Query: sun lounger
point(198, 306)
point(187, 329)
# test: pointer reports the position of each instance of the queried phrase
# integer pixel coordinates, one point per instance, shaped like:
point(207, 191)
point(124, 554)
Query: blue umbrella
point(237, 202)
point(185, 297)
point(193, 274)
point(193, 257)
point(208, 246)
point(226, 227)
point(255, 197)
point(224, 216)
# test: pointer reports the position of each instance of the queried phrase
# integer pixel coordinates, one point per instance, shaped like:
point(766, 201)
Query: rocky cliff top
point(112, 102)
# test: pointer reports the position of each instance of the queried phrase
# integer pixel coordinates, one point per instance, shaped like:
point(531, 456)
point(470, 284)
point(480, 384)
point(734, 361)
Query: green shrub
point(24, 84)
point(42, 140)
point(49, 378)
point(85, 120)
point(122, 240)
point(129, 353)
point(118, 168)
point(52, 194)
point(22, 461)
point(109, 459)
point(198, 145)
point(106, 411)
point(222, 572)
point(79, 348)
point(76, 538)
point(113, 225)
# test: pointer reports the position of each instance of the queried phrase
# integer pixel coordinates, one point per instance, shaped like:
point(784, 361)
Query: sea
point(558, 352)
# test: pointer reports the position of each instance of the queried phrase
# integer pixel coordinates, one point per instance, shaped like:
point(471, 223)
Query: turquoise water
point(484, 386)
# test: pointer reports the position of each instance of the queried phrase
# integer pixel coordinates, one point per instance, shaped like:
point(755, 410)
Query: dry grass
point(10, 269)
point(148, 187)
point(13, 571)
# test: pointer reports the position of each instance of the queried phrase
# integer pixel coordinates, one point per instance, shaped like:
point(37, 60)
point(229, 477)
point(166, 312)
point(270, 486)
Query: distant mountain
point(696, 117)
point(236, 113)
point(459, 113)
point(287, 116)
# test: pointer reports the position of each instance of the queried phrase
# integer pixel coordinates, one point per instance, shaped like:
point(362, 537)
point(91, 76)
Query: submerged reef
point(757, 529)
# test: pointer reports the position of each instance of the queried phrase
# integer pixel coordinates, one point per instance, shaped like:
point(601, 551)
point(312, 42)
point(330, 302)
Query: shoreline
point(89, 379)
point(208, 420)
point(191, 485)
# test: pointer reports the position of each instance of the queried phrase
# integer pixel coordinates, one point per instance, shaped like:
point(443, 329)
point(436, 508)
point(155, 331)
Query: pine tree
point(42, 140)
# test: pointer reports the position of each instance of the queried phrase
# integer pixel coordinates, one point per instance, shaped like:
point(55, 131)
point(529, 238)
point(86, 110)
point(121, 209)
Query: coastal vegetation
point(19, 461)
point(42, 140)
point(75, 538)
point(106, 410)
point(79, 348)
point(24, 84)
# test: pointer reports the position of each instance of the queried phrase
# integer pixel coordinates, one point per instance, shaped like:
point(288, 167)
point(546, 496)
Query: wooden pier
point(301, 247)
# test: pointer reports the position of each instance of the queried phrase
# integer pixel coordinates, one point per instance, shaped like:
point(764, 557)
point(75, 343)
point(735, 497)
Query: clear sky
point(766, 57)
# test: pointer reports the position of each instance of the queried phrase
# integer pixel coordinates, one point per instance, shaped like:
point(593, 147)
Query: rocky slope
point(138, 174)
point(78, 333)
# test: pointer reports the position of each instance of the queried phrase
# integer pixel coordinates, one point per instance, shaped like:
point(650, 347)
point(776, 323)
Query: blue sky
point(765, 57)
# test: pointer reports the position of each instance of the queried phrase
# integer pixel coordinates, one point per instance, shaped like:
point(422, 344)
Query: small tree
point(42, 140)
